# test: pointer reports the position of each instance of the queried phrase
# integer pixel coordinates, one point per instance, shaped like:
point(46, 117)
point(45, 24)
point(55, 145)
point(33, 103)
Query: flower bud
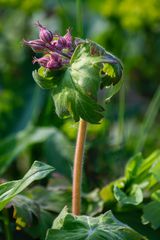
point(65, 41)
point(55, 61)
point(61, 43)
point(42, 61)
point(53, 64)
point(36, 45)
point(56, 57)
point(44, 34)
point(68, 38)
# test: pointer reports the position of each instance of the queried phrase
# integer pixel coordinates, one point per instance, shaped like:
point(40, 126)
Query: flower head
point(75, 70)
point(57, 49)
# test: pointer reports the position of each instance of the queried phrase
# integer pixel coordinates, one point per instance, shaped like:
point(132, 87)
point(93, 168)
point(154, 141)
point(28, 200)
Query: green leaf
point(140, 169)
point(24, 209)
point(140, 174)
point(39, 229)
point(113, 89)
point(30, 214)
point(151, 214)
point(70, 99)
point(9, 190)
point(132, 166)
point(106, 226)
point(155, 170)
point(59, 221)
point(45, 78)
point(17, 143)
point(107, 194)
point(75, 88)
point(135, 196)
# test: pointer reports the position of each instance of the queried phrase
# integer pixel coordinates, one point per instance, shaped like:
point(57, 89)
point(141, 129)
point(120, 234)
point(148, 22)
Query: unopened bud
point(36, 45)
point(53, 64)
point(55, 61)
point(61, 43)
point(68, 38)
point(44, 34)
point(42, 61)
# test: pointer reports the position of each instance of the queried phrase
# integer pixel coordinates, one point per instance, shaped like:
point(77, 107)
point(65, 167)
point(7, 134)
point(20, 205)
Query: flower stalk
point(78, 165)
point(65, 59)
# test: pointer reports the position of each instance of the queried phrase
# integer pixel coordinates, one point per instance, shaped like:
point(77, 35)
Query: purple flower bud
point(52, 45)
point(56, 57)
point(42, 61)
point(57, 49)
point(44, 34)
point(68, 38)
point(55, 61)
point(36, 45)
point(61, 43)
point(52, 64)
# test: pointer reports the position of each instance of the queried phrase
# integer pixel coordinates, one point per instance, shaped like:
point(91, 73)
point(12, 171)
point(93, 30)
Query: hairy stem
point(78, 164)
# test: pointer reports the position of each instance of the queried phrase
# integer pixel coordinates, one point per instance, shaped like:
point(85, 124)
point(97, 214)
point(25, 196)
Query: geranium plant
point(77, 72)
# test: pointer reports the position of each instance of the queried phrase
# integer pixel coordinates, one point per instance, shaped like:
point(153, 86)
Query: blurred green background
point(29, 127)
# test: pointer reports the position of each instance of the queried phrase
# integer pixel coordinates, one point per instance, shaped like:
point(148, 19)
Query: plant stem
point(79, 18)
point(78, 164)
point(121, 114)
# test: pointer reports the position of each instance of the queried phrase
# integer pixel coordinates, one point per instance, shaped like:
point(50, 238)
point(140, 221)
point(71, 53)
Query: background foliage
point(29, 127)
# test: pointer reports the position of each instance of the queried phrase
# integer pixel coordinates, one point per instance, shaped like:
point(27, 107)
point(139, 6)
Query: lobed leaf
point(151, 214)
point(75, 88)
point(105, 226)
